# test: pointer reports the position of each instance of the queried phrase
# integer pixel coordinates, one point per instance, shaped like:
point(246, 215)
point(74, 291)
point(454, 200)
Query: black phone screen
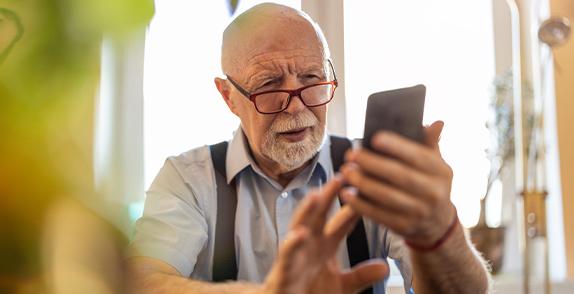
point(400, 111)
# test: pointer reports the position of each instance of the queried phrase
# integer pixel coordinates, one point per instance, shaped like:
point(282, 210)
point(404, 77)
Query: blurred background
point(94, 95)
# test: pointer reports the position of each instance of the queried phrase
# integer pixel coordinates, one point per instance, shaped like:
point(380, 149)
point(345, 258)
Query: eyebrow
point(264, 76)
point(323, 68)
point(253, 82)
point(314, 67)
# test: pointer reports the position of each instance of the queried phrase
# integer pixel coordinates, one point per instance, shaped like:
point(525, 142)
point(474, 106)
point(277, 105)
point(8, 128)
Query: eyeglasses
point(275, 101)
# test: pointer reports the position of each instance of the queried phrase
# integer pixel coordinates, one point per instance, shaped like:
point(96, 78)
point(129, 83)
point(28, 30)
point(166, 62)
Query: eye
point(263, 86)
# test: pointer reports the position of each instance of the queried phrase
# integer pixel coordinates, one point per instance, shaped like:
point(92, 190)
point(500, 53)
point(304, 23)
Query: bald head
point(266, 28)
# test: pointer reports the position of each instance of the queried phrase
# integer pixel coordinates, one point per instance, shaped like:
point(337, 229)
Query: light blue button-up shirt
point(178, 223)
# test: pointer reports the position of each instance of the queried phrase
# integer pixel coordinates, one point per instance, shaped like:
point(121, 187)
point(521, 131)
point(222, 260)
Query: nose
point(296, 105)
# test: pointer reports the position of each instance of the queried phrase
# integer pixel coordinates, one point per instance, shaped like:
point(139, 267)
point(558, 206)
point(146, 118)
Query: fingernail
point(344, 170)
point(338, 177)
point(316, 198)
point(349, 193)
point(290, 235)
point(353, 190)
point(348, 167)
point(295, 233)
point(381, 140)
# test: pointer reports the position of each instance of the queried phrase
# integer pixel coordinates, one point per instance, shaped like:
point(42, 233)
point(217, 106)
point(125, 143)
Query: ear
point(223, 88)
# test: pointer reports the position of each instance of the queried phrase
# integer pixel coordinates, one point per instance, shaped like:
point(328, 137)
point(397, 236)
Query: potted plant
point(490, 240)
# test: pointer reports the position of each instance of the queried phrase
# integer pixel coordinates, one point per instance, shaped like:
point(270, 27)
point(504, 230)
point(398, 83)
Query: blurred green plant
point(7, 15)
point(49, 76)
point(232, 4)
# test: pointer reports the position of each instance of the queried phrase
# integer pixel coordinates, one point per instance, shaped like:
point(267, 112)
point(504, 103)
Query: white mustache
point(286, 123)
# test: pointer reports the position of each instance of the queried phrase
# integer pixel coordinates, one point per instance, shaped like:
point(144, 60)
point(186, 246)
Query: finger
point(364, 275)
point(305, 214)
point(391, 171)
point(432, 134)
point(379, 193)
point(294, 240)
point(341, 224)
point(328, 194)
point(410, 152)
point(315, 217)
point(400, 223)
point(289, 257)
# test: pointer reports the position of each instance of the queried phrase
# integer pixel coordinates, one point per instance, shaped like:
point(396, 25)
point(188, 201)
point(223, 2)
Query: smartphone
point(400, 111)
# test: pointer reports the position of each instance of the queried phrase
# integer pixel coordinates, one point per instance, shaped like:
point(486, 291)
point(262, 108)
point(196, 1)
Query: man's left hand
point(404, 185)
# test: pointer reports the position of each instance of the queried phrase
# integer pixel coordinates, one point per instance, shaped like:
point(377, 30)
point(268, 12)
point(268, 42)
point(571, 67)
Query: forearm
point(164, 283)
point(147, 279)
point(455, 267)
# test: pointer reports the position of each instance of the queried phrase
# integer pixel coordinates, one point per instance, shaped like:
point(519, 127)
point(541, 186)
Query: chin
point(293, 155)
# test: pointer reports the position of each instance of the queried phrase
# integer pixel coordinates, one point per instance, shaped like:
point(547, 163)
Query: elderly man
point(289, 228)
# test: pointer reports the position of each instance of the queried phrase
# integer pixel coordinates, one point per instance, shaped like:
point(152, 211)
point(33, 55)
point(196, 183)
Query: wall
point(564, 86)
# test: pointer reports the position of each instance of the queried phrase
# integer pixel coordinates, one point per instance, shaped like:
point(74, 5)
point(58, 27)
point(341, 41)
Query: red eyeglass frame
point(291, 93)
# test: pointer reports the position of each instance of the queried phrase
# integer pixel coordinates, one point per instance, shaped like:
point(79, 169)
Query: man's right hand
point(306, 261)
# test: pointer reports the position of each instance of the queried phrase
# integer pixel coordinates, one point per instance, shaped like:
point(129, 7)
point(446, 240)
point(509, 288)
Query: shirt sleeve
point(173, 227)
point(397, 250)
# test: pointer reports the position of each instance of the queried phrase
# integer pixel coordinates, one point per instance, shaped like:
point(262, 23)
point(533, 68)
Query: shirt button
point(284, 195)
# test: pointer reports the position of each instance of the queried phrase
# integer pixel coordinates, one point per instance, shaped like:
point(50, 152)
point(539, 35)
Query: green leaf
point(232, 6)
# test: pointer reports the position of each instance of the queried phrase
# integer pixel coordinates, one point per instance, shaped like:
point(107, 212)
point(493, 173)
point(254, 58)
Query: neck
point(277, 171)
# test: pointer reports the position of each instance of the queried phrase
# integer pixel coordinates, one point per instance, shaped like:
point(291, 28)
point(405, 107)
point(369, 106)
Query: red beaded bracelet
point(440, 242)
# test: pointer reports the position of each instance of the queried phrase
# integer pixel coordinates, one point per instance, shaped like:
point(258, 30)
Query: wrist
point(437, 243)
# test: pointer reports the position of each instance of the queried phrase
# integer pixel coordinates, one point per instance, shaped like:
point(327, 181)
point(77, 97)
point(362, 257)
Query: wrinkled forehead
point(254, 36)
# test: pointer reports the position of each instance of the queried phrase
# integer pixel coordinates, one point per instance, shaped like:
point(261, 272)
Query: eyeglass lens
point(277, 101)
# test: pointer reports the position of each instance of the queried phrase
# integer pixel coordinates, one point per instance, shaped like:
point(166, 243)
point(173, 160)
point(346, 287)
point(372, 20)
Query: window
point(446, 45)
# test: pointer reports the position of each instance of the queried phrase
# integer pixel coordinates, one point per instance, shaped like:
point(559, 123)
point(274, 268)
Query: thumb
point(364, 275)
point(432, 134)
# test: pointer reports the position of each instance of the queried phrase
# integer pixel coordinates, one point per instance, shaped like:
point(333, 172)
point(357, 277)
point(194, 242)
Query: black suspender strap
point(357, 246)
point(224, 260)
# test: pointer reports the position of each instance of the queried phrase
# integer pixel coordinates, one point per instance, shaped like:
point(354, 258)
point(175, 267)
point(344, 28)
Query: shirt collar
point(239, 156)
